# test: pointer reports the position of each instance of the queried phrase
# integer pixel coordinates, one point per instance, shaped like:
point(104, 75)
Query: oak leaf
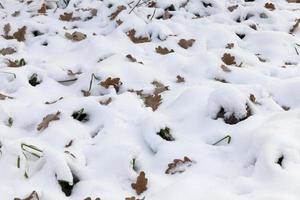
point(20, 34)
point(46, 120)
point(134, 39)
point(33, 196)
point(117, 12)
point(141, 183)
point(180, 79)
point(153, 101)
point(115, 82)
point(186, 43)
point(75, 36)
point(163, 51)
point(43, 9)
point(178, 165)
point(159, 87)
point(7, 51)
point(228, 59)
point(66, 16)
point(270, 6)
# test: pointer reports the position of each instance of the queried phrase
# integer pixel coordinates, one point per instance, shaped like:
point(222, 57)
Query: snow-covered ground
point(142, 99)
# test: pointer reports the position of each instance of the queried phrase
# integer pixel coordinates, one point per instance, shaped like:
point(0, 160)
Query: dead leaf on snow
point(134, 39)
point(180, 79)
point(20, 34)
point(115, 82)
point(270, 6)
point(178, 165)
point(141, 183)
point(33, 196)
point(117, 12)
point(186, 43)
point(163, 51)
point(66, 16)
point(46, 120)
point(153, 101)
point(3, 97)
point(106, 102)
point(228, 59)
point(43, 9)
point(229, 45)
point(132, 59)
point(7, 51)
point(225, 68)
point(16, 63)
point(75, 36)
point(159, 87)
point(6, 28)
point(232, 8)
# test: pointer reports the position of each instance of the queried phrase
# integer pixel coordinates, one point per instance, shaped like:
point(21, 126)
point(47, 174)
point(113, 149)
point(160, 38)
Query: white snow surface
point(103, 148)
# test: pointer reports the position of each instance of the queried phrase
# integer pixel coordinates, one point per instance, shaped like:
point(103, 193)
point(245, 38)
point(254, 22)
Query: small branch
point(153, 14)
point(228, 137)
point(70, 80)
point(1, 6)
point(296, 50)
point(136, 5)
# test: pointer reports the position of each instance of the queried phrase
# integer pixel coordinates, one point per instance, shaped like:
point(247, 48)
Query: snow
point(107, 151)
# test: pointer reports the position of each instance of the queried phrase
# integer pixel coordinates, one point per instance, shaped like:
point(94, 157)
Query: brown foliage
point(141, 183)
point(295, 26)
point(75, 36)
point(46, 120)
point(228, 59)
point(43, 9)
point(3, 97)
point(115, 82)
point(174, 167)
point(7, 51)
point(20, 34)
point(153, 101)
point(33, 196)
point(270, 6)
point(180, 79)
point(115, 14)
point(134, 39)
point(186, 43)
point(163, 51)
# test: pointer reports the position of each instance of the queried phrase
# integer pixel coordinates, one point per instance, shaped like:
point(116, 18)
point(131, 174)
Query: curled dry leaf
point(141, 183)
point(153, 101)
point(33, 196)
point(16, 63)
point(75, 36)
point(115, 14)
point(159, 87)
point(7, 51)
point(180, 79)
point(186, 43)
point(225, 68)
point(3, 97)
point(115, 82)
point(46, 120)
point(163, 51)
point(232, 8)
point(270, 6)
point(178, 165)
point(106, 102)
point(252, 98)
point(228, 59)
point(66, 17)
point(43, 9)
point(229, 45)
point(6, 28)
point(134, 39)
point(132, 59)
point(20, 34)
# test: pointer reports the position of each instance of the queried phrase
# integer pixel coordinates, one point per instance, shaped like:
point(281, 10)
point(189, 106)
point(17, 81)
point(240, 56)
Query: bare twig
point(228, 137)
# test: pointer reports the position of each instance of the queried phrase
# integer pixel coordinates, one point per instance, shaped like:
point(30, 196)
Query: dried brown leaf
point(228, 59)
point(66, 16)
point(293, 1)
point(232, 8)
point(163, 51)
point(132, 59)
point(159, 87)
point(3, 97)
point(225, 68)
point(106, 102)
point(177, 165)
point(186, 43)
point(153, 101)
point(43, 9)
point(20, 34)
point(7, 51)
point(270, 6)
point(6, 28)
point(134, 39)
point(33, 196)
point(75, 36)
point(46, 120)
point(115, 14)
point(115, 82)
point(180, 79)
point(141, 183)
point(252, 98)
point(16, 63)
point(229, 45)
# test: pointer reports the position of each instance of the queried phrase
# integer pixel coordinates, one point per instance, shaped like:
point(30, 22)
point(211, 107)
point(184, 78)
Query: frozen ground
point(96, 93)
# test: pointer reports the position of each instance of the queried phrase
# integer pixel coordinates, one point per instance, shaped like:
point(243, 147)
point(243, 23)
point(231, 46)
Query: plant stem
point(228, 137)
